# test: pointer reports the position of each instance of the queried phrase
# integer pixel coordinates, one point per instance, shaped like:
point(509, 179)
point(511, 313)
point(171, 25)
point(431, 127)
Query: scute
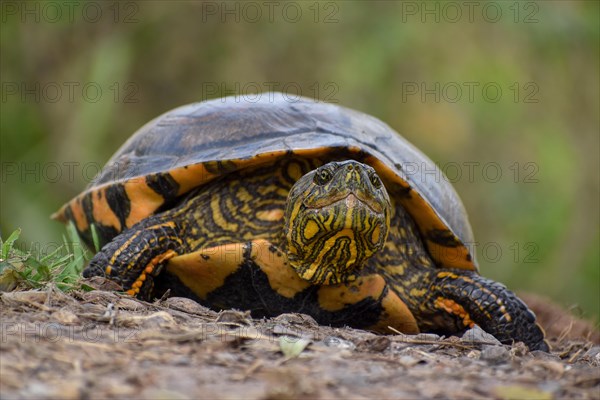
point(193, 144)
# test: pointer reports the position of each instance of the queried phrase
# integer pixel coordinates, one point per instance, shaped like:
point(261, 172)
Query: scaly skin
point(250, 205)
point(475, 299)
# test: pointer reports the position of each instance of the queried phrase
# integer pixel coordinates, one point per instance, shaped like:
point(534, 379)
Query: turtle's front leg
point(455, 300)
point(135, 257)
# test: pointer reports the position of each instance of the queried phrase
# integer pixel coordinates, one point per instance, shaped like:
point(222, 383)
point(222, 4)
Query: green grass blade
point(95, 238)
point(7, 246)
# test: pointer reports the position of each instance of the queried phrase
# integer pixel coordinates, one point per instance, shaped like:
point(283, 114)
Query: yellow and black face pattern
point(336, 217)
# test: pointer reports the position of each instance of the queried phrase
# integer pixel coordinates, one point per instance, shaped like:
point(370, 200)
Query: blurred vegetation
point(537, 225)
point(61, 267)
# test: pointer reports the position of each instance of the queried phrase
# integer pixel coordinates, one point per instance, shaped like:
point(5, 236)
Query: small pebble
point(408, 361)
point(494, 354)
point(476, 334)
point(332, 341)
point(475, 354)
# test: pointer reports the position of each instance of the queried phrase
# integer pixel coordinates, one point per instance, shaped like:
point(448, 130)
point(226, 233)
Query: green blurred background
point(482, 88)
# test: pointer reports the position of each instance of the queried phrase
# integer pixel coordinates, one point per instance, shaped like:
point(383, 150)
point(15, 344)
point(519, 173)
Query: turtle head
point(336, 217)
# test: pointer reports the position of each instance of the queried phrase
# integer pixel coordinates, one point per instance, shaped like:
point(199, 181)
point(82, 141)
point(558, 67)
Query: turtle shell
point(194, 144)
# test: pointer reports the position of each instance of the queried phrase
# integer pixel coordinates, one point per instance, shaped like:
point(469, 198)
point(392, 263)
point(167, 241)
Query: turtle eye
point(323, 176)
point(375, 181)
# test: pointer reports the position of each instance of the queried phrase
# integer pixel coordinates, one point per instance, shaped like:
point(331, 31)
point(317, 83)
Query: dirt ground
point(100, 344)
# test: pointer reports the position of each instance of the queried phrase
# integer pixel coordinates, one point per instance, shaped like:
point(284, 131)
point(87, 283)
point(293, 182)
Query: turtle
point(287, 204)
